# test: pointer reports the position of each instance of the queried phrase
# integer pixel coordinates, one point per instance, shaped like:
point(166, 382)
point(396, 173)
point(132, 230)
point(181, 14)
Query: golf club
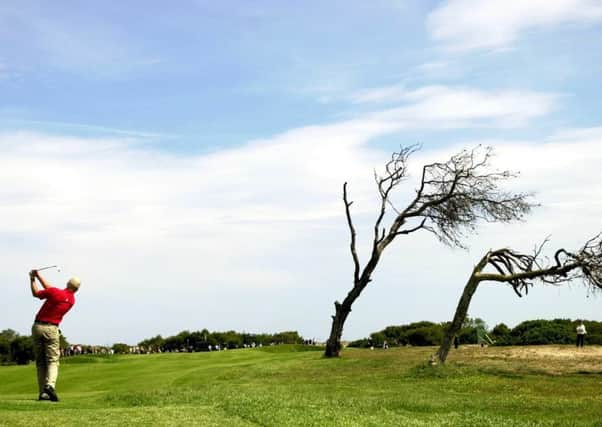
point(48, 267)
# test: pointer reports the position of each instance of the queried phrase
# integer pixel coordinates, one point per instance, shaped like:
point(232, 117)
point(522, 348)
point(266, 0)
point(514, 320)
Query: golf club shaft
point(46, 268)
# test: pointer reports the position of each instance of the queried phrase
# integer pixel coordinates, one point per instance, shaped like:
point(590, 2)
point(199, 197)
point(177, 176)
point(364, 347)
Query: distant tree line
point(205, 340)
point(15, 348)
point(18, 349)
point(530, 332)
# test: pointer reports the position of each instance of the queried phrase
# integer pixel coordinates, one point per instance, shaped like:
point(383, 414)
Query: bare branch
point(356, 261)
point(453, 196)
point(395, 173)
point(411, 230)
point(519, 270)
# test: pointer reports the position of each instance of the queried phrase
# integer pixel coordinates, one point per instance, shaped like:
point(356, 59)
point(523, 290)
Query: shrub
point(121, 348)
point(21, 350)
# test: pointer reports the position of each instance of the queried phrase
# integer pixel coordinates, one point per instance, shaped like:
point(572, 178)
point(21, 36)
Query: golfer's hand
point(33, 274)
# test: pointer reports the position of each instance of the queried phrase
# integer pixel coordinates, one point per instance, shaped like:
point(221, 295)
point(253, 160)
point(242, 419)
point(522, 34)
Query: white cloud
point(437, 70)
point(478, 24)
point(118, 185)
point(593, 134)
point(252, 229)
point(457, 106)
point(448, 106)
point(379, 94)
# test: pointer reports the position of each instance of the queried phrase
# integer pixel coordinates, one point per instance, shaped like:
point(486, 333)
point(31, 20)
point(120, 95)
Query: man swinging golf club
point(45, 330)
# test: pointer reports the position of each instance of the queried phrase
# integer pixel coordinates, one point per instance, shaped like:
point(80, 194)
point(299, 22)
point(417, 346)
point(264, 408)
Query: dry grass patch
point(544, 359)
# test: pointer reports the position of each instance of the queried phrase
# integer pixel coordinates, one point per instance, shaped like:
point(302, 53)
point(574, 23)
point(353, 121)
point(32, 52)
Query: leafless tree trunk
point(519, 271)
point(461, 312)
point(450, 200)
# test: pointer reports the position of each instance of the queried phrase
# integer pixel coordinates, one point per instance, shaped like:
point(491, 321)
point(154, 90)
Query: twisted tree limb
point(520, 271)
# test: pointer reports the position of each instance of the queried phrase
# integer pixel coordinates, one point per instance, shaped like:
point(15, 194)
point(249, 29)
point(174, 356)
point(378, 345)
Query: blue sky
point(204, 72)
point(197, 151)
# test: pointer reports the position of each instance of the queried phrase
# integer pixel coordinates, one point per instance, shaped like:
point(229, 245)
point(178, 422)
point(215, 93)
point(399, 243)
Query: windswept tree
point(451, 198)
point(520, 271)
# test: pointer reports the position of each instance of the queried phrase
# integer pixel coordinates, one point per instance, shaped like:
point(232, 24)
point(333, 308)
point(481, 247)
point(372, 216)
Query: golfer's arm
point(34, 287)
point(43, 282)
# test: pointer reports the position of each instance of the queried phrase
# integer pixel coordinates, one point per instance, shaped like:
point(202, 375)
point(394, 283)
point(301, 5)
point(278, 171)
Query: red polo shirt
point(58, 302)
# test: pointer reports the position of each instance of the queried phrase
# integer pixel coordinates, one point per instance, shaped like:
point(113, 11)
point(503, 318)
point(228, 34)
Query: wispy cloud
point(449, 106)
point(163, 215)
point(239, 221)
point(69, 127)
point(393, 93)
point(592, 134)
point(114, 182)
point(113, 170)
point(502, 107)
point(484, 24)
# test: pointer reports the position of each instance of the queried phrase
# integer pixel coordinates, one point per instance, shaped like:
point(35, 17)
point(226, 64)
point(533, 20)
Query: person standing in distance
point(581, 334)
point(45, 330)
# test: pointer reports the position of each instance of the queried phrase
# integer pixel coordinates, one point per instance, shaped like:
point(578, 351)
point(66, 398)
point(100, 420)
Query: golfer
point(45, 330)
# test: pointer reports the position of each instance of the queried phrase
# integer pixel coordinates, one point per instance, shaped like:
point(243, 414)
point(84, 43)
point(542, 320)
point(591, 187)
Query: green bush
point(120, 348)
point(594, 332)
point(426, 335)
point(468, 335)
point(21, 350)
point(417, 333)
point(533, 332)
point(377, 339)
point(501, 334)
point(363, 343)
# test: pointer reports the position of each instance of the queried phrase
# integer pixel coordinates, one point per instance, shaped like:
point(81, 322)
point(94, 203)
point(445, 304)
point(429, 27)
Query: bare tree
point(449, 202)
point(520, 271)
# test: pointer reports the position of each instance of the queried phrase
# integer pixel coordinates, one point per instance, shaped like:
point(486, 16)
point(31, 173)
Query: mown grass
point(285, 386)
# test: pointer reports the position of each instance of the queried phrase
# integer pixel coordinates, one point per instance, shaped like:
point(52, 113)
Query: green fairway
point(288, 386)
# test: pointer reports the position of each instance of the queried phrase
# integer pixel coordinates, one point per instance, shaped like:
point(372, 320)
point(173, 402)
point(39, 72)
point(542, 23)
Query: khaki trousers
point(46, 343)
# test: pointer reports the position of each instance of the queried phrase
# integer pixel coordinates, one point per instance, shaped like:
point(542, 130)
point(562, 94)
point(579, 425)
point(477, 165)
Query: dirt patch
point(550, 359)
point(554, 352)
